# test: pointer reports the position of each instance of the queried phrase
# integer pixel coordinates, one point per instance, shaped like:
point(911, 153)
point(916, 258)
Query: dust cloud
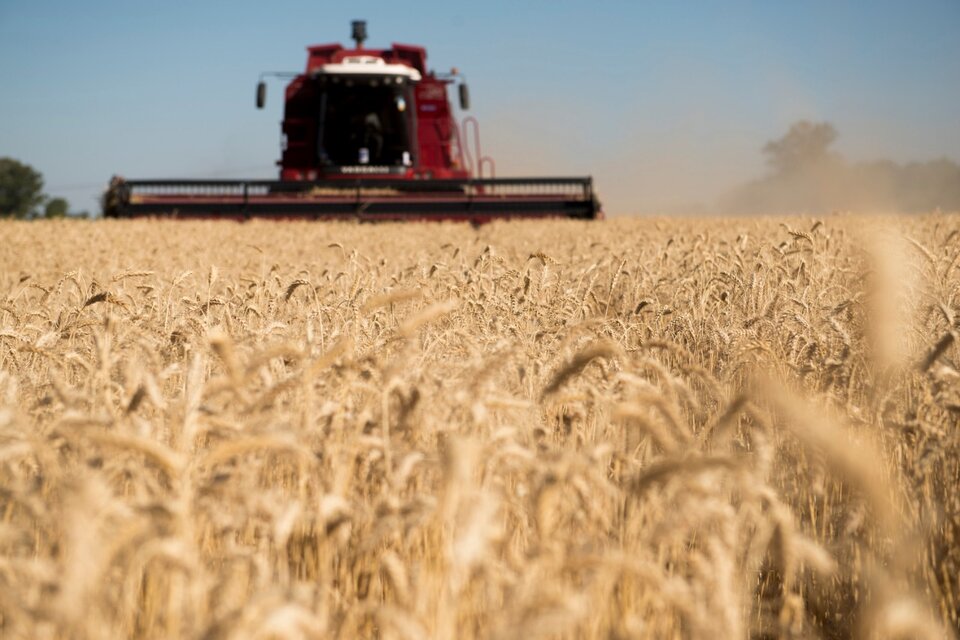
point(701, 169)
point(805, 176)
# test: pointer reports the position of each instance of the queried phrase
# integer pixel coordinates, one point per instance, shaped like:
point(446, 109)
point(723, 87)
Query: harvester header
point(369, 134)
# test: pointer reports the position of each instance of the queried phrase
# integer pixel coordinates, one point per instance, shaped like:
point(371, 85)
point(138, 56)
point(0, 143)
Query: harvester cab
point(349, 113)
point(371, 134)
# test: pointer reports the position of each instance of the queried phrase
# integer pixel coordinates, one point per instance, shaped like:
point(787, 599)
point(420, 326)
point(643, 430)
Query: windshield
point(363, 120)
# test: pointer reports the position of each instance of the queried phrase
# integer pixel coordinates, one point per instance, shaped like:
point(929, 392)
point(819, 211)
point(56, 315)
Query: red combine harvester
point(368, 134)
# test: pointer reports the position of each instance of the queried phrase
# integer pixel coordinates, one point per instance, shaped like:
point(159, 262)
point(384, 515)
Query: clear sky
point(666, 104)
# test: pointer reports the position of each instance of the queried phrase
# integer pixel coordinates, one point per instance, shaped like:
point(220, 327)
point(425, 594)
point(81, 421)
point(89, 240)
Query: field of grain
point(633, 429)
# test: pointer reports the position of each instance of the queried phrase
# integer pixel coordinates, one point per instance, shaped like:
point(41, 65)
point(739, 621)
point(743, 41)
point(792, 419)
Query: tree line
point(22, 196)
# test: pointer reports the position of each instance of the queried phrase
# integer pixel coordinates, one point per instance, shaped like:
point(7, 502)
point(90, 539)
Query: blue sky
point(666, 104)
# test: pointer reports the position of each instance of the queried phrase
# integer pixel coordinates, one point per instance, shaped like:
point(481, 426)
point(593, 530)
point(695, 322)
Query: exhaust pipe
point(359, 34)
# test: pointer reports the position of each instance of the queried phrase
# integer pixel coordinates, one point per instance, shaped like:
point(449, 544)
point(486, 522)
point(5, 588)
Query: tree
point(805, 145)
point(56, 208)
point(21, 189)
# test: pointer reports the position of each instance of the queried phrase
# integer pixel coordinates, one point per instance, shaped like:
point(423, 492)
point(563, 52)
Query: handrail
point(481, 159)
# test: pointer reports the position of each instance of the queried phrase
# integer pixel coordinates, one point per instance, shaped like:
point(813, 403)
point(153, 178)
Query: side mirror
point(464, 97)
point(261, 94)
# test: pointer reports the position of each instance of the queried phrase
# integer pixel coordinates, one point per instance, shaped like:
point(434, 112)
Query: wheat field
point(641, 428)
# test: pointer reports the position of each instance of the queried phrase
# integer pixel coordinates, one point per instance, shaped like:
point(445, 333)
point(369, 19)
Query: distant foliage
point(56, 208)
point(21, 189)
point(805, 145)
point(21, 193)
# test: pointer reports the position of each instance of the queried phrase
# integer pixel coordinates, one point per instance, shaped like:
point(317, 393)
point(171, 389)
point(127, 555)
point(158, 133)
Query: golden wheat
point(744, 428)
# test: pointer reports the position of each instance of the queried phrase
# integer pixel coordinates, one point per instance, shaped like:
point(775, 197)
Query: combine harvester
point(368, 134)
